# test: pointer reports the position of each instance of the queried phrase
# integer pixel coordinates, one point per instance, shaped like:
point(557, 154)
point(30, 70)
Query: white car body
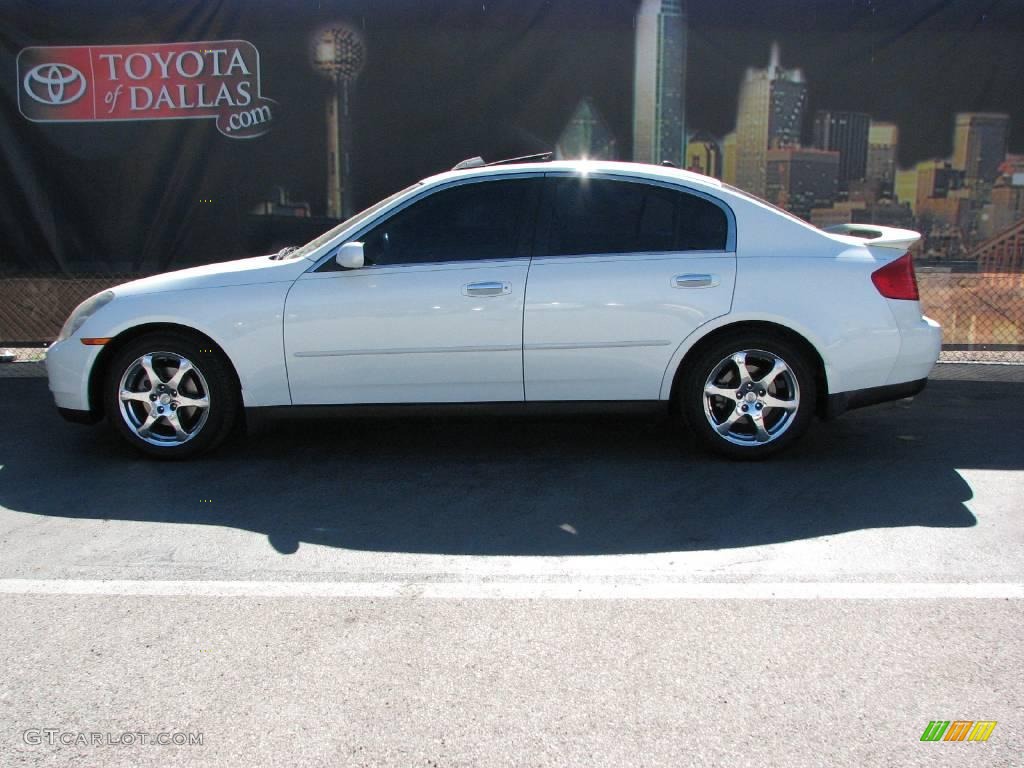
point(611, 327)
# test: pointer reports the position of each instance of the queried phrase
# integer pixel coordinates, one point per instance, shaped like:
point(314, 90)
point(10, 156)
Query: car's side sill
point(841, 402)
point(257, 417)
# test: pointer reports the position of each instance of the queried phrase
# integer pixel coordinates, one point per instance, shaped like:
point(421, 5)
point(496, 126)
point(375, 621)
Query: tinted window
point(483, 220)
point(603, 216)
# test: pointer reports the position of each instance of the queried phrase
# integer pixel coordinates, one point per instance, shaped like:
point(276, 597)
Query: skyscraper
point(729, 158)
point(936, 179)
point(905, 186)
point(800, 179)
point(586, 135)
point(1007, 206)
point(883, 150)
point(770, 114)
point(979, 144)
point(659, 86)
point(704, 155)
point(942, 199)
point(845, 133)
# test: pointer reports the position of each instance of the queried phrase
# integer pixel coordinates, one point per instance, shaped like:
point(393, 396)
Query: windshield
point(330, 234)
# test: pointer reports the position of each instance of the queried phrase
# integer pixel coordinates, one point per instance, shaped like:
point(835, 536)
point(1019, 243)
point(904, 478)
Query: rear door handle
point(694, 281)
point(486, 289)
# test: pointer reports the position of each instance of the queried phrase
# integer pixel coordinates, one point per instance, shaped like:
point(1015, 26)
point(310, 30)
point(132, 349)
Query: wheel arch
point(98, 373)
point(695, 344)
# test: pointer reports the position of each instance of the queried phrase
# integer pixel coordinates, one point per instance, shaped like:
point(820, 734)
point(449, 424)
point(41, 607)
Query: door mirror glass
point(350, 256)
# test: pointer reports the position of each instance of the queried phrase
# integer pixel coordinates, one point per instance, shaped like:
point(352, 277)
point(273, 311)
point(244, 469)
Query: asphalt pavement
point(517, 591)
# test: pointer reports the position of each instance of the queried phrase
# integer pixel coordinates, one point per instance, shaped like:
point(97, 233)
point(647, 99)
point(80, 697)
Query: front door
point(434, 316)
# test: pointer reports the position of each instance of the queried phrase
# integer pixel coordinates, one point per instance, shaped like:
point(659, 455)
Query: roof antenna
point(472, 162)
point(478, 162)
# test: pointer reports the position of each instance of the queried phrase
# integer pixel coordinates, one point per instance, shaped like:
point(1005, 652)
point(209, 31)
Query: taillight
point(896, 280)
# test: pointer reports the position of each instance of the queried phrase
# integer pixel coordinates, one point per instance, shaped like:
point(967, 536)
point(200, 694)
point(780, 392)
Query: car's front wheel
point(170, 396)
point(748, 395)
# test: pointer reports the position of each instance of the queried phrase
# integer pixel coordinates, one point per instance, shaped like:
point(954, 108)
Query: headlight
point(83, 312)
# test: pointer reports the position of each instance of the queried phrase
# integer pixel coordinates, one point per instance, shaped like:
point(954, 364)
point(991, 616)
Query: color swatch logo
point(958, 730)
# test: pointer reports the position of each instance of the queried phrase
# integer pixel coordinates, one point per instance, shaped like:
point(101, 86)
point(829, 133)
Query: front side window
point(593, 216)
point(332, 233)
point(480, 220)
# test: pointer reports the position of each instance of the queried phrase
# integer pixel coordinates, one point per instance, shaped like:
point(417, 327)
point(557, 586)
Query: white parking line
point(523, 590)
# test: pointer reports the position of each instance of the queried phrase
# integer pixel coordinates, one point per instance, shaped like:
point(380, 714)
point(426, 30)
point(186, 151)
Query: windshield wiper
point(284, 252)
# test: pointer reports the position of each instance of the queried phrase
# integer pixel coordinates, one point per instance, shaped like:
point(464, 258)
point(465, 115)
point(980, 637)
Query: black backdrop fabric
point(443, 80)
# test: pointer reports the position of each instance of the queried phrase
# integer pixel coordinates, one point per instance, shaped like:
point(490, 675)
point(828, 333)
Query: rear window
point(594, 216)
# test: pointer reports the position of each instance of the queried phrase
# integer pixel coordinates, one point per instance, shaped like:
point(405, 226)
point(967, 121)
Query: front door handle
point(486, 289)
point(694, 281)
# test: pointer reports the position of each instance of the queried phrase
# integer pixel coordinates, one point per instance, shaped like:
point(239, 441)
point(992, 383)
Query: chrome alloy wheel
point(164, 398)
point(751, 397)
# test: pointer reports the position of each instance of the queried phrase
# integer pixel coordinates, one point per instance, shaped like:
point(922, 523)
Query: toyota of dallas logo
point(216, 80)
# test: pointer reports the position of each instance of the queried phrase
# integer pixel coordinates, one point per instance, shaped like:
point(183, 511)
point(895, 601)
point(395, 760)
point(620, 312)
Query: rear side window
point(482, 220)
point(592, 216)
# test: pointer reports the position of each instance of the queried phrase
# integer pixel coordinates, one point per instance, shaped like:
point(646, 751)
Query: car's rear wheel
point(748, 395)
point(170, 396)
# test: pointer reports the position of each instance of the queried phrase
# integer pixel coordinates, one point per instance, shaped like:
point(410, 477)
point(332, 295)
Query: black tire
point(782, 425)
point(212, 372)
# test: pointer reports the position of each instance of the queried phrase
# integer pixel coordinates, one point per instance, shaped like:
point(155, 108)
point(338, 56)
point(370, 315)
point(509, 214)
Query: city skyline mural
point(903, 113)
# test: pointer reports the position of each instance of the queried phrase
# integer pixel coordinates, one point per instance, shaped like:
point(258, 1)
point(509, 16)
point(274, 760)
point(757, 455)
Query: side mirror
point(350, 256)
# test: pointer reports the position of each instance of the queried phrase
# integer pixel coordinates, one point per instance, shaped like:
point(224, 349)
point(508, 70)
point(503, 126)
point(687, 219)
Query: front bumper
point(68, 364)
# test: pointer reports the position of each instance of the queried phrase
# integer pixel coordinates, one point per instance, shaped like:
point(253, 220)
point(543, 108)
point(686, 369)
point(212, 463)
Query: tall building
point(799, 179)
point(659, 87)
point(905, 186)
point(770, 114)
point(729, 158)
point(979, 144)
point(883, 151)
point(704, 155)
point(886, 212)
point(847, 134)
point(1007, 206)
point(586, 135)
point(936, 179)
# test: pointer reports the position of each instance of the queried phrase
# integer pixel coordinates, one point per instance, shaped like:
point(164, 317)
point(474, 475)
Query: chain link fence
point(33, 309)
point(980, 312)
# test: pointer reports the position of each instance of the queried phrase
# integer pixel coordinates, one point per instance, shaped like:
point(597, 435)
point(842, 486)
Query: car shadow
point(521, 485)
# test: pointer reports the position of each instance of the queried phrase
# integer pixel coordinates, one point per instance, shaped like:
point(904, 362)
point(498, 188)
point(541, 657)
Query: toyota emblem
point(55, 84)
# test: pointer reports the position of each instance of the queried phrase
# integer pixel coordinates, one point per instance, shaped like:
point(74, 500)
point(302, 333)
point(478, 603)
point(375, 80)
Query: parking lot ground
point(519, 591)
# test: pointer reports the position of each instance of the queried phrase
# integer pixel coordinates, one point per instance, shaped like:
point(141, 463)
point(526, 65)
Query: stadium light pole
point(338, 53)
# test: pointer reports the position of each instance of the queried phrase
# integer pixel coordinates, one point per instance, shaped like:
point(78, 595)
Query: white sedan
point(518, 283)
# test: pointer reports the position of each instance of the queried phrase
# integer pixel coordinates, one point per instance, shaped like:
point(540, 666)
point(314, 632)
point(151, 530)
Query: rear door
point(623, 271)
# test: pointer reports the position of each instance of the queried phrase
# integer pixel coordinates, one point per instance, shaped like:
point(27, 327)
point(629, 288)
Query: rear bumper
point(839, 403)
point(920, 344)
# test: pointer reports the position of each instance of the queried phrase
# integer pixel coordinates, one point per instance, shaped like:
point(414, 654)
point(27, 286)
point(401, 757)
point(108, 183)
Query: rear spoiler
point(886, 237)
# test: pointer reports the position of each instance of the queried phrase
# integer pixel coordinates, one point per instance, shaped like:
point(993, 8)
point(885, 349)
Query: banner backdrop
point(141, 136)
